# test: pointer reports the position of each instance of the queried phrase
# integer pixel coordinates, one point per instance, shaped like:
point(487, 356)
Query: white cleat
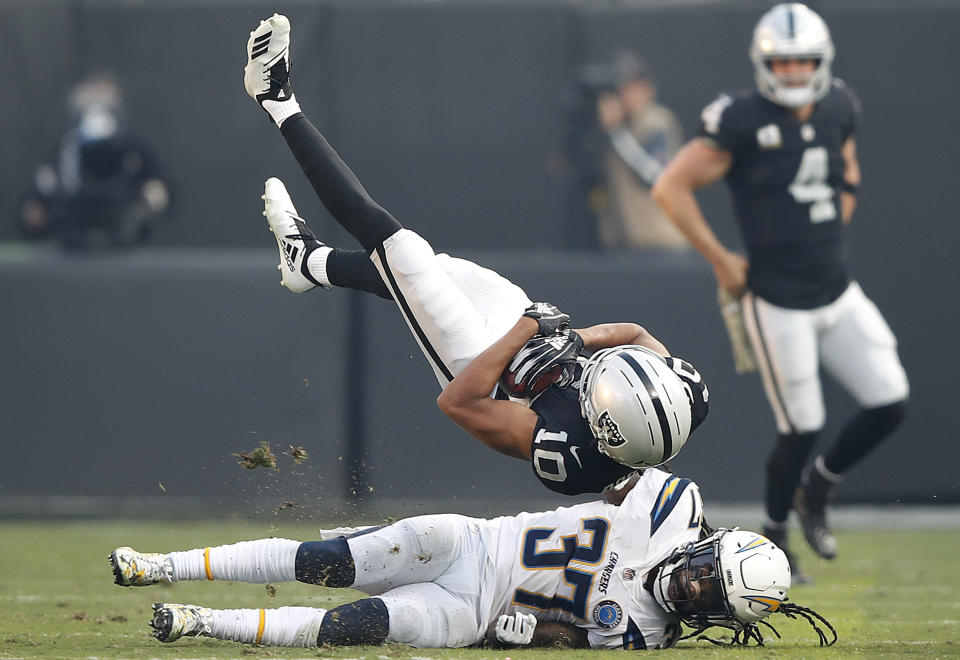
point(140, 569)
point(294, 239)
point(267, 73)
point(171, 621)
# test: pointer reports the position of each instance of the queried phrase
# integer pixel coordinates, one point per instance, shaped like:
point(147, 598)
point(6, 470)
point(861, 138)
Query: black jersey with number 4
point(566, 457)
point(785, 182)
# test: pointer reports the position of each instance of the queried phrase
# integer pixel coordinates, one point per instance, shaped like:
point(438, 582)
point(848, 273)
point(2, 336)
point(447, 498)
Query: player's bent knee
point(427, 616)
point(408, 252)
point(327, 563)
point(364, 622)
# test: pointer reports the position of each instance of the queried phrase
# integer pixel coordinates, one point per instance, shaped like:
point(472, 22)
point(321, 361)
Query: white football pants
point(454, 307)
point(433, 574)
point(849, 337)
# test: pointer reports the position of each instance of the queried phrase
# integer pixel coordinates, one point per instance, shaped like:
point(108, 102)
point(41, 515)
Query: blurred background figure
point(624, 146)
point(102, 188)
point(787, 151)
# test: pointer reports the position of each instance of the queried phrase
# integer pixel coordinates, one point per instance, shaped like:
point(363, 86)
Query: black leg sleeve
point(364, 622)
point(327, 563)
point(784, 467)
point(336, 185)
point(354, 270)
point(862, 434)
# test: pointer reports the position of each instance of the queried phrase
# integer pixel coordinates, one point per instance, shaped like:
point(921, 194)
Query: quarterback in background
point(788, 153)
point(594, 404)
point(592, 575)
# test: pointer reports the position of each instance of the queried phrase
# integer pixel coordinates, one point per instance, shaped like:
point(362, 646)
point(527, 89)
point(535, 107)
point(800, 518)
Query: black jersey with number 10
point(785, 182)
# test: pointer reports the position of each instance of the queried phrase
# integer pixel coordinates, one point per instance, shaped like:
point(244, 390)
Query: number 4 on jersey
point(810, 185)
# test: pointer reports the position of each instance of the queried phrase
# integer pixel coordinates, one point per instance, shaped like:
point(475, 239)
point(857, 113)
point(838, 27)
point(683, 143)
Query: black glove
point(549, 319)
point(539, 357)
point(696, 389)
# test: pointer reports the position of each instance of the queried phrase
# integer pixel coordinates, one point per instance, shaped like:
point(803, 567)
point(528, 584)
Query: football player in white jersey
point(636, 410)
point(788, 153)
point(591, 575)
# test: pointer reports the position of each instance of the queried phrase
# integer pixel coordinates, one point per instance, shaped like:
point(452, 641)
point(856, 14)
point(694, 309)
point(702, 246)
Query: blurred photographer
point(102, 188)
point(636, 137)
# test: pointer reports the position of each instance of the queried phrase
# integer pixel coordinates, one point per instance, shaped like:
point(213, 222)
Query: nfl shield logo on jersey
point(607, 614)
point(610, 430)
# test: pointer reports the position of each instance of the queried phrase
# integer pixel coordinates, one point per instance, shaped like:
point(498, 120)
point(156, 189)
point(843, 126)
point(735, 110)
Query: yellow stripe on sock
point(206, 563)
point(260, 625)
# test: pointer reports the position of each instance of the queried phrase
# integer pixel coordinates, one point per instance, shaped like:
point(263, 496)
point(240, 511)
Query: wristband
point(848, 187)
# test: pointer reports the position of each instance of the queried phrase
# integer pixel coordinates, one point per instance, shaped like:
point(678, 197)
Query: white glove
point(516, 629)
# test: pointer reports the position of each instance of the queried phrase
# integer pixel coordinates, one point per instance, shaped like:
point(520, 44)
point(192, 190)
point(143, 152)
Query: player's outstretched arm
point(696, 165)
point(504, 426)
point(608, 335)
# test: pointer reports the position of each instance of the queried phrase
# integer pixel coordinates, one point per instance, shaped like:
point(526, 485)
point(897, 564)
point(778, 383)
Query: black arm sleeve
point(336, 185)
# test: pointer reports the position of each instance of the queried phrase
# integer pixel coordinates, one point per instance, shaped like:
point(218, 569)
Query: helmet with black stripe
point(792, 30)
point(636, 405)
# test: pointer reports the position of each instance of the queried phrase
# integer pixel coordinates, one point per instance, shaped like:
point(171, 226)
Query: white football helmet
point(792, 31)
point(732, 578)
point(636, 405)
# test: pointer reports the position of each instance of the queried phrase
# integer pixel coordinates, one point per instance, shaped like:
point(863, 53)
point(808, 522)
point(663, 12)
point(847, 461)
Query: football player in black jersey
point(788, 153)
point(636, 408)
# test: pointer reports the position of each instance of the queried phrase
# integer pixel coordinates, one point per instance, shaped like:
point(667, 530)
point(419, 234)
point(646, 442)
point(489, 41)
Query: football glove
point(541, 355)
point(516, 629)
point(697, 391)
point(549, 319)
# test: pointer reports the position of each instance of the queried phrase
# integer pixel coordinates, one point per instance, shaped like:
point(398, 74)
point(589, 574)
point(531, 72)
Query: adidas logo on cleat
point(290, 251)
point(260, 45)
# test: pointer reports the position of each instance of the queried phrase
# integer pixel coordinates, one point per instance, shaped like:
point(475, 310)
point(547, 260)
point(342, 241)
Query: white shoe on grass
point(171, 621)
point(139, 569)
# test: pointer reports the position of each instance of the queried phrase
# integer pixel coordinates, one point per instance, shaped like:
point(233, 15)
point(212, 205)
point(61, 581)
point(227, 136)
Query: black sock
point(336, 185)
point(364, 622)
point(784, 467)
point(354, 270)
point(862, 434)
point(326, 563)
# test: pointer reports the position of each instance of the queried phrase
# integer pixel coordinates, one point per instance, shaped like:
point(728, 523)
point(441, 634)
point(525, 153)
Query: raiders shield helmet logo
point(610, 430)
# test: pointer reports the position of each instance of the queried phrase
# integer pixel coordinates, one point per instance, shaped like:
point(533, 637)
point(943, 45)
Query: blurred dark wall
point(155, 368)
point(145, 373)
point(454, 113)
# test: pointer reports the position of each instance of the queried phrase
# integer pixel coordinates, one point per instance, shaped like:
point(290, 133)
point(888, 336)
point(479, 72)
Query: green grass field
point(889, 594)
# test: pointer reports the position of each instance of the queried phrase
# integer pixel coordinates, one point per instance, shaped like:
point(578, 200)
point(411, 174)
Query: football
point(508, 382)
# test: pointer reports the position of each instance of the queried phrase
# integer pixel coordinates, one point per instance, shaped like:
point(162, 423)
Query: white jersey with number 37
point(586, 564)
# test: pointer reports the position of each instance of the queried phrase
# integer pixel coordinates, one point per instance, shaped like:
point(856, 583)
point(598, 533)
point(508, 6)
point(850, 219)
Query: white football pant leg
point(860, 351)
point(411, 551)
point(785, 344)
point(454, 308)
point(428, 616)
